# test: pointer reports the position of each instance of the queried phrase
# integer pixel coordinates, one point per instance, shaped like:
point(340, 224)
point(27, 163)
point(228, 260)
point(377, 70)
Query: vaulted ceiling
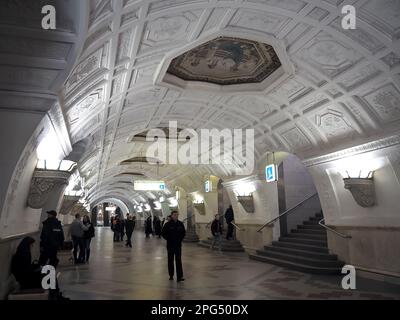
point(339, 87)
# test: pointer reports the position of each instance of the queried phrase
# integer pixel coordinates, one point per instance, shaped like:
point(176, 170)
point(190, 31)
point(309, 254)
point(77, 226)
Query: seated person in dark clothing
point(27, 274)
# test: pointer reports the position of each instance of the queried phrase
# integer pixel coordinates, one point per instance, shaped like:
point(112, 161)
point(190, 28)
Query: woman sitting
point(27, 274)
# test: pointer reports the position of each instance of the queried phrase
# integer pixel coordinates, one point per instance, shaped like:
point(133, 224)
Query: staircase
point(303, 249)
point(226, 245)
point(191, 236)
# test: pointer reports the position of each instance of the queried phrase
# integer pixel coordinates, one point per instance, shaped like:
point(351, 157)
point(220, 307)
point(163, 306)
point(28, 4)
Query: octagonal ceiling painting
point(226, 61)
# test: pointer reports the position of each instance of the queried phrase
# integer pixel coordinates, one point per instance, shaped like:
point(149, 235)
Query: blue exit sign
point(271, 173)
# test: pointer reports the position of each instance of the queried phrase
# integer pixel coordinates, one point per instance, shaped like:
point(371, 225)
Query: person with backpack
point(88, 235)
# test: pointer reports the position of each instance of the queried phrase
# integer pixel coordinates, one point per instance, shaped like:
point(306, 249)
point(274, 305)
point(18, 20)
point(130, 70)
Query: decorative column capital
point(43, 183)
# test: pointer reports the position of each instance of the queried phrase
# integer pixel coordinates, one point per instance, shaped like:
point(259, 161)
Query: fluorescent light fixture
point(177, 195)
point(147, 185)
point(56, 165)
point(147, 207)
point(111, 208)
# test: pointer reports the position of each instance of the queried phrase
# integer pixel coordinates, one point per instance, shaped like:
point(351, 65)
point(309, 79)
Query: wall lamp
point(48, 175)
point(361, 185)
point(244, 195)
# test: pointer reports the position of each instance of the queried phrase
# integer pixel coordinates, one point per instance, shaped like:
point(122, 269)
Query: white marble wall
point(375, 231)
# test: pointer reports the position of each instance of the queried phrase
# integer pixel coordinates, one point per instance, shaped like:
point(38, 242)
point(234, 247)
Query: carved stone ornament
point(200, 208)
point(362, 190)
point(68, 203)
point(247, 203)
point(43, 183)
point(78, 208)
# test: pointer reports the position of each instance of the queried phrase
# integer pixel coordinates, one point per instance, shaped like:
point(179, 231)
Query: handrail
point(237, 227)
point(332, 230)
point(187, 218)
point(287, 211)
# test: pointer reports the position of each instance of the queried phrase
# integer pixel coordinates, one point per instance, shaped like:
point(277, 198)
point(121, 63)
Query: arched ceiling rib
point(345, 89)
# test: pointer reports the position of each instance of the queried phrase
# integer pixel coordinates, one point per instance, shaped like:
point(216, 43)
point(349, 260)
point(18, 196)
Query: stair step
point(302, 253)
point(310, 227)
point(295, 266)
point(318, 243)
point(207, 245)
point(299, 259)
point(321, 237)
point(300, 246)
point(309, 231)
point(310, 222)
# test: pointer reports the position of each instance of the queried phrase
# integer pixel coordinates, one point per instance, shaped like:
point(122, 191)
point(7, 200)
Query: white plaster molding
point(367, 147)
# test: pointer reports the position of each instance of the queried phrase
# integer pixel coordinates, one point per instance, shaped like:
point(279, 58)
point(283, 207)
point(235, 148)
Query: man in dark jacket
point(229, 218)
point(129, 227)
point(51, 239)
point(148, 227)
point(174, 232)
point(216, 230)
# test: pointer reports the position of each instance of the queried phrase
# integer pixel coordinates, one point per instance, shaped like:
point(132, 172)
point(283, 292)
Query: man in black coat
point(174, 232)
point(229, 218)
point(129, 227)
point(216, 230)
point(51, 239)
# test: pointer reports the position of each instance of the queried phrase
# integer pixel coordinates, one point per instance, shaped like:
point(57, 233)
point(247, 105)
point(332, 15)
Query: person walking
point(229, 218)
point(157, 226)
point(77, 232)
point(174, 232)
point(51, 239)
point(122, 229)
point(148, 228)
point(118, 229)
point(129, 227)
point(87, 236)
point(216, 230)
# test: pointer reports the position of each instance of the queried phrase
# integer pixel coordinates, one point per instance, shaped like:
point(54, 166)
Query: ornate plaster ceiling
point(344, 91)
point(226, 61)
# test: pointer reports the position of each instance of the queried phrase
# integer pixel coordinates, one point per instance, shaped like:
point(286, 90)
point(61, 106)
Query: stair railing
point(187, 218)
point(333, 230)
point(287, 212)
point(237, 227)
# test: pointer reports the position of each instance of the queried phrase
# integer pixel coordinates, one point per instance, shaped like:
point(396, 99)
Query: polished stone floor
point(117, 272)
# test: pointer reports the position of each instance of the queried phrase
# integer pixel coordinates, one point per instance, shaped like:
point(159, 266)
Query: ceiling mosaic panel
point(226, 61)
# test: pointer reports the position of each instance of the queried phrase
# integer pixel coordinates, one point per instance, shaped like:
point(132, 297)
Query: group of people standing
point(153, 227)
point(82, 232)
point(120, 227)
